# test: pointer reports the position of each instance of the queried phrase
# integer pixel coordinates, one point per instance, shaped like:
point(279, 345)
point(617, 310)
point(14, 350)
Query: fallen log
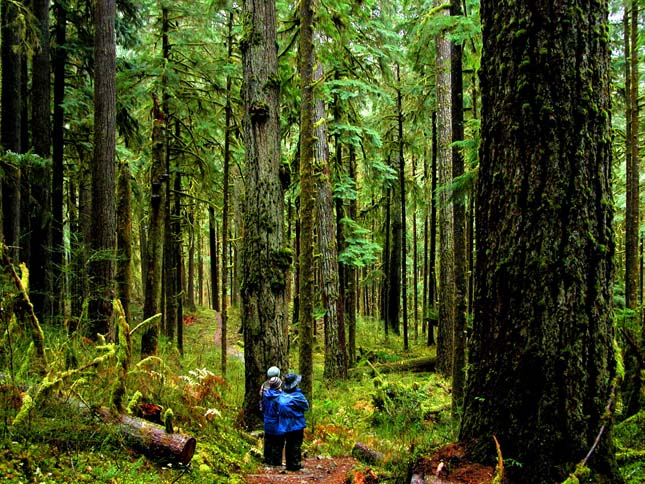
point(150, 438)
point(366, 454)
point(424, 364)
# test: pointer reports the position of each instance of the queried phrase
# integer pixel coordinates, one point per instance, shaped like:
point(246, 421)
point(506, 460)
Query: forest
point(430, 210)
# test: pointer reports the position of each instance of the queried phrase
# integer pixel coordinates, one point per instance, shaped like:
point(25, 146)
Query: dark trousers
point(293, 449)
point(273, 445)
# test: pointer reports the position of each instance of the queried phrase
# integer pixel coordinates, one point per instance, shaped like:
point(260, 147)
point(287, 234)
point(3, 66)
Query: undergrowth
point(399, 415)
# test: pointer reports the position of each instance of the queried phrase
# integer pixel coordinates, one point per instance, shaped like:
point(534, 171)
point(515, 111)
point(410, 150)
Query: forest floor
point(446, 465)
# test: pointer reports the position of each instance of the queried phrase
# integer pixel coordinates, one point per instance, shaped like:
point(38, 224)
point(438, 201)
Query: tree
point(58, 142)
point(446, 217)
point(11, 125)
point(40, 263)
point(459, 223)
point(156, 235)
point(103, 241)
point(335, 348)
point(541, 360)
point(633, 382)
point(265, 259)
point(307, 197)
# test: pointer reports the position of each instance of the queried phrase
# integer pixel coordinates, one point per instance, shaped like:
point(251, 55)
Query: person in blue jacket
point(292, 405)
point(273, 435)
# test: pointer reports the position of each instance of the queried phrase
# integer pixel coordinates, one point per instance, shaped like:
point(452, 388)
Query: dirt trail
point(322, 470)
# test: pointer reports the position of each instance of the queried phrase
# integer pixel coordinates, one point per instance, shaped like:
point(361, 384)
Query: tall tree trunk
point(41, 284)
point(633, 381)
point(446, 216)
point(212, 244)
point(459, 226)
point(265, 258)
point(403, 273)
point(58, 141)
point(156, 234)
point(335, 347)
point(103, 170)
point(351, 273)
point(174, 295)
point(190, 283)
point(385, 289)
point(542, 366)
point(228, 121)
point(307, 196)
point(10, 127)
point(432, 283)
point(124, 239)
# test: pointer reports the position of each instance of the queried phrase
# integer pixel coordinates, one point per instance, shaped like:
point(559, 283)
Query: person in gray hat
point(271, 372)
point(273, 434)
point(292, 405)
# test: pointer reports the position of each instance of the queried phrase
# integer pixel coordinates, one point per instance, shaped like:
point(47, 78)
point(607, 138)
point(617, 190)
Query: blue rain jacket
point(292, 407)
point(270, 411)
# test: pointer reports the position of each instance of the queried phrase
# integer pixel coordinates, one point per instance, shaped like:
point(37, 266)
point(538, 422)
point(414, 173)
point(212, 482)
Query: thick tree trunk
point(103, 241)
point(335, 348)
point(446, 215)
point(265, 258)
point(541, 362)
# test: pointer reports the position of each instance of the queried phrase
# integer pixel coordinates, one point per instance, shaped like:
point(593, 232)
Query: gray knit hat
point(273, 371)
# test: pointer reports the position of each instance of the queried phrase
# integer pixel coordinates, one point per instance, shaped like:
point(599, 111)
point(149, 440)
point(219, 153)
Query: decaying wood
point(150, 438)
point(425, 364)
point(366, 454)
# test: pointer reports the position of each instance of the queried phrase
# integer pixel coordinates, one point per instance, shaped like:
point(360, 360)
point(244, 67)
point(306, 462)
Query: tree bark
point(58, 142)
point(156, 234)
point(103, 241)
point(335, 347)
point(10, 127)
point(124, 239)
point(446, 214)
point(307, 197)
point(459, 226)
point(41, 283)
point(541, 361)
point(265, 258)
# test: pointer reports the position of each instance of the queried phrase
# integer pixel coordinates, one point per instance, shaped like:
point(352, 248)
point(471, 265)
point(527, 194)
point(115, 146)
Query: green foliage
point(360, 251)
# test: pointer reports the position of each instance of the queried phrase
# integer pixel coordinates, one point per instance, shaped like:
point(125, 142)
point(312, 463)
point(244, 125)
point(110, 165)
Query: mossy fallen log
point(424, 364)
point(150, 438)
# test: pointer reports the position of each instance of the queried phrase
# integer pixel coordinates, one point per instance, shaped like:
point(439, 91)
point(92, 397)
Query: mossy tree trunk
point(265, 258)
point(307, 197)
point(541, 360)
point(156, 234)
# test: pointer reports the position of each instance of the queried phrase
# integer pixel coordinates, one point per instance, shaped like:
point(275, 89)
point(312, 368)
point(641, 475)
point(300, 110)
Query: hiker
point(271, 372)
point(292, 407)
point(273, 435)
